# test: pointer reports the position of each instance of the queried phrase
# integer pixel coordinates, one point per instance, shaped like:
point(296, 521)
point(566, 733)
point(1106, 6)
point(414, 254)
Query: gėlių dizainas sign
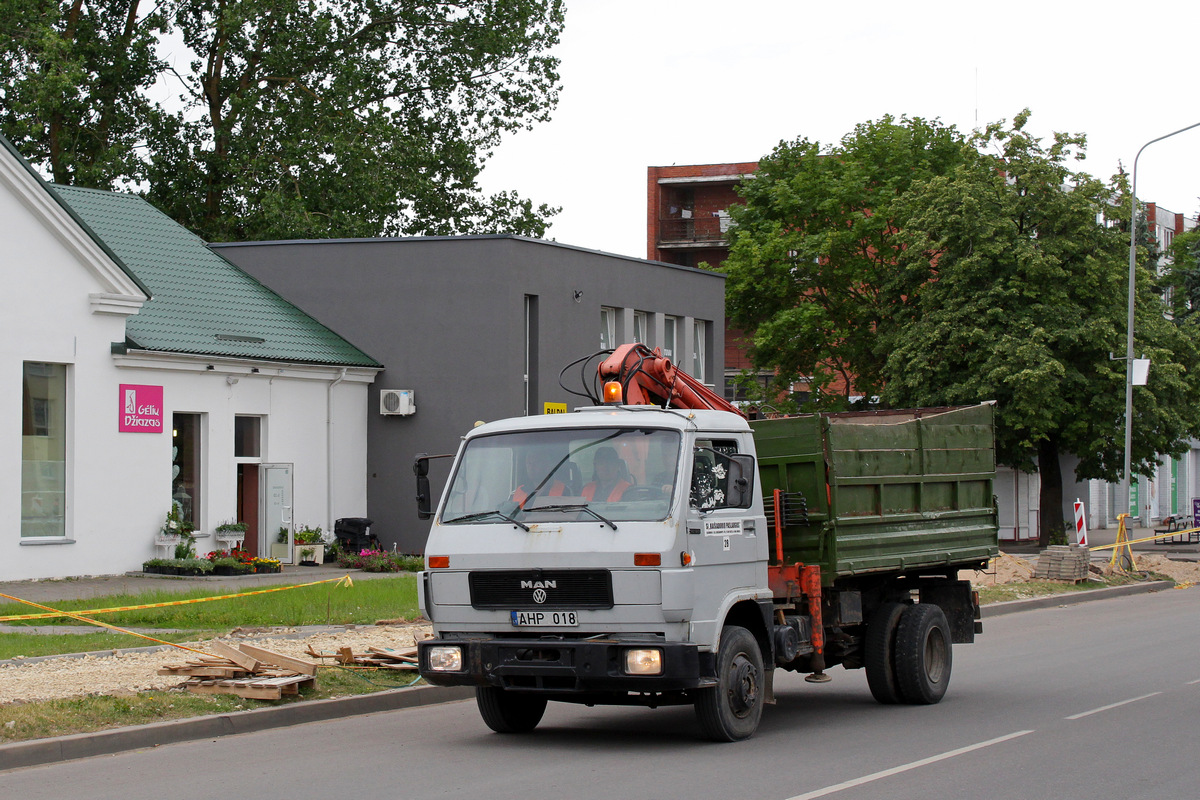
point(140, 409)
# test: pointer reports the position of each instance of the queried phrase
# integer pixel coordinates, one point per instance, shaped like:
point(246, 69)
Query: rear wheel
point(878, 653)
point(509, 712)
point(731, 710)
point(922, 654)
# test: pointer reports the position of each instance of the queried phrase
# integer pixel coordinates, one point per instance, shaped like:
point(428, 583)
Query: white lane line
point(1189, 683)
point(904, 767)
point(1111, 705)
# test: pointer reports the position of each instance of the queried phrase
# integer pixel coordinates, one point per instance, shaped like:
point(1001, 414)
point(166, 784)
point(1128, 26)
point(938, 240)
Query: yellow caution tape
point(1139, 541)
point(105, 625)
point(343, 581)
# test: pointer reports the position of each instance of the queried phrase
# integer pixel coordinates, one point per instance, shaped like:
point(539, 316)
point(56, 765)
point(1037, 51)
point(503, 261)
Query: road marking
point(1189, 683)
point(904, 767)
point(1111, 705)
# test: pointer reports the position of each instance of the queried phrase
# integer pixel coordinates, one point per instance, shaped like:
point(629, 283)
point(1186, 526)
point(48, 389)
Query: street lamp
point(1129, 328)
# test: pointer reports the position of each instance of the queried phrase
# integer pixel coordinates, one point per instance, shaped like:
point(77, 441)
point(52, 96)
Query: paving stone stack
point(1063, 563)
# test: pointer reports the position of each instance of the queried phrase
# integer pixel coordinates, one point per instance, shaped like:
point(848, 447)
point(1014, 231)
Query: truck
point(711, 552)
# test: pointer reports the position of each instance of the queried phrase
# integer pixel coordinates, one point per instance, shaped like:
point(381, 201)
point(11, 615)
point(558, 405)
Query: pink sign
point(141, 409)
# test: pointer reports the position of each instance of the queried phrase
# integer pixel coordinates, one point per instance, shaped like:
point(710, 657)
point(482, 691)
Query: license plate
point(545, 619)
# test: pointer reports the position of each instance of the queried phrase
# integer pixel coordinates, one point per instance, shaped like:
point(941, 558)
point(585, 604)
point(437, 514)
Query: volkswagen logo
point(539, 595)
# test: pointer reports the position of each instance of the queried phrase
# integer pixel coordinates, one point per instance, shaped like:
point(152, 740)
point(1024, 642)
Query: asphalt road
point(1094, 700)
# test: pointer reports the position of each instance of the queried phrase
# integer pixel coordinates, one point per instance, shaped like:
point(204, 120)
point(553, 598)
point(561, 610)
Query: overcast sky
point(660, 82)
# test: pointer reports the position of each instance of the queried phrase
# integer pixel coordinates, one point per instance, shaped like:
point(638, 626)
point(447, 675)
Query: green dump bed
point(885, 491)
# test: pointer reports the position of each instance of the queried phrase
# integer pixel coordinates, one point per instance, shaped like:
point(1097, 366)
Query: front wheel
point(922, 654)
point(509, 712)
point(731, 710)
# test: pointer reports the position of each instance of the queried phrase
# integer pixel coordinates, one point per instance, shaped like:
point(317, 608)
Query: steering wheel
point(636, 493)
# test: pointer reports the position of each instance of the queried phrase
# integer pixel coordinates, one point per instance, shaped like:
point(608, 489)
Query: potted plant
point(310, 544)
point(236, 562)
point(231, 532)
point(264, 565)
point(157, 566)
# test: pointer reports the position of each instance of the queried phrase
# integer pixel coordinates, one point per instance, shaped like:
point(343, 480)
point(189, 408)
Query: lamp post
point(1129, 328)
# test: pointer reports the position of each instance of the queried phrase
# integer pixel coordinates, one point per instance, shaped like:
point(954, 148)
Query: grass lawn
point(328, 604)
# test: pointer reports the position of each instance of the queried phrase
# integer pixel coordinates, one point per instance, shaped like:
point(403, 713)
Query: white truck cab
point(594, 557)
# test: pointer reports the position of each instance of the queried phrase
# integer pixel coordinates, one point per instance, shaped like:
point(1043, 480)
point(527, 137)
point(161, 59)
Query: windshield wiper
point(483, 514)
point(574, 507)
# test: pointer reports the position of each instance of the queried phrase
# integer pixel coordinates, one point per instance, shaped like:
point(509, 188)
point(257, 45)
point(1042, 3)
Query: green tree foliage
point(813, 248)
point(1022, 299)
point(1183, 277)
point(296, 118)
point(73, 77)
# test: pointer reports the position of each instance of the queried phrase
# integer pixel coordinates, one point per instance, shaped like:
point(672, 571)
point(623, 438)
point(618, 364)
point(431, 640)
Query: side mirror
point(741, 480)
point(421, 470)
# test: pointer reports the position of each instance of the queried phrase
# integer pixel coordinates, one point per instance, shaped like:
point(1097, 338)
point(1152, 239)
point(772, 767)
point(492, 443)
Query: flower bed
point(381, 561)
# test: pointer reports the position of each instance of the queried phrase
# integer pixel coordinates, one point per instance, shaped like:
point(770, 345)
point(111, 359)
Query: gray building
point(479, 328)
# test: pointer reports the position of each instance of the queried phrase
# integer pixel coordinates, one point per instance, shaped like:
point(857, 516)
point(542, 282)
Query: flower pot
point(313, 558)
point(267, 568)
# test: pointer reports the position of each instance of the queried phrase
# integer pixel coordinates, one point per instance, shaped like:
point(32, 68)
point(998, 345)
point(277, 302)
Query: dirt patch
point(1005, 568)
point(1008, 568)
point(117, 674)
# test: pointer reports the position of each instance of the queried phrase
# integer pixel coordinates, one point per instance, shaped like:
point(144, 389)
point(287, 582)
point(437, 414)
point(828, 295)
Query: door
point(727, 542)
point(276, 505)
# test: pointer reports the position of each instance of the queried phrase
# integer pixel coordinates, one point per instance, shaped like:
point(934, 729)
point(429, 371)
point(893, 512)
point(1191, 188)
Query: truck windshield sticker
point(722, 527)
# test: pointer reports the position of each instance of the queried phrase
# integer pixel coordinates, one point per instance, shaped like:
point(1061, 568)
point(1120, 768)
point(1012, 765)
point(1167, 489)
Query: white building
point(146, 371)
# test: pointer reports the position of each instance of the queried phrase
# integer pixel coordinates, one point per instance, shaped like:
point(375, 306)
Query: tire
point(922, 654)
point(730, 711)
point(879, 646)
point(509, 712)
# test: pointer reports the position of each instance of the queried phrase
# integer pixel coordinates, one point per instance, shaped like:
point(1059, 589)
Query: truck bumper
point(567, 667)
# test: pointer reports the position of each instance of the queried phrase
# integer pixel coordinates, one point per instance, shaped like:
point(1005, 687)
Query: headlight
point(644, 662)
point(445, 659)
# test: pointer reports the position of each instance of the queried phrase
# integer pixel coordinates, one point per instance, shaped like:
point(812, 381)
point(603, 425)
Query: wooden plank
point(244, 660)
point(280, 660)
point(204, 672)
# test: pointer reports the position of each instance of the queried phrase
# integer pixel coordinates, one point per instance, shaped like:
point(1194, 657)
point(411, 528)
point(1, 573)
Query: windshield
point(602, 475)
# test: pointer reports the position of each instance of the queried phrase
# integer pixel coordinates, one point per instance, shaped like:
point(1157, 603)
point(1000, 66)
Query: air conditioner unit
point(396, 402)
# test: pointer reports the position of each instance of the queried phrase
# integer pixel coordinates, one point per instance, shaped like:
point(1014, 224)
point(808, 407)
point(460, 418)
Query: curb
point(1072, 598)
point(39, 752)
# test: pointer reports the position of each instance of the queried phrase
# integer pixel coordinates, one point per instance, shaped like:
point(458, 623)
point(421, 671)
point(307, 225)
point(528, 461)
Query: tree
point(303, 118)
point(1023, 301)
point(72, 83)
point(1183, 277)
point(813, 246)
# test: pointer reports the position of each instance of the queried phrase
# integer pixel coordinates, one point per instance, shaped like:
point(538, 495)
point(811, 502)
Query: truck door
point(727, 543)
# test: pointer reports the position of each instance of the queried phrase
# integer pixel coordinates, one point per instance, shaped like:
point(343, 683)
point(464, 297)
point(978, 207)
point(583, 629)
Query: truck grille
point(521, 589)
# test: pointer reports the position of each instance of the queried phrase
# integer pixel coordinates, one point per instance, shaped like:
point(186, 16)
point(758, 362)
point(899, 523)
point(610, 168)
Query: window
point(699, 359)
point(247, 437)
point(608, 328)
point(185, 457)
point(554, 476)
point(43, 450)
point(641, 327)
point(670, 327)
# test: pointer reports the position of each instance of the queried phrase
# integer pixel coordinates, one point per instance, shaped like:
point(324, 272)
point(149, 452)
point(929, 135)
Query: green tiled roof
point(201, 303)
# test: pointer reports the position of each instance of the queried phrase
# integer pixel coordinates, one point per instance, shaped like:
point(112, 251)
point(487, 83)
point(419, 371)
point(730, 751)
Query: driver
point(537, 465)
point(607, 483)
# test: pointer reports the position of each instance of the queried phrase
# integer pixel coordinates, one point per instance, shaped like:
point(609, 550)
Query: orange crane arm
point(649, 378)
